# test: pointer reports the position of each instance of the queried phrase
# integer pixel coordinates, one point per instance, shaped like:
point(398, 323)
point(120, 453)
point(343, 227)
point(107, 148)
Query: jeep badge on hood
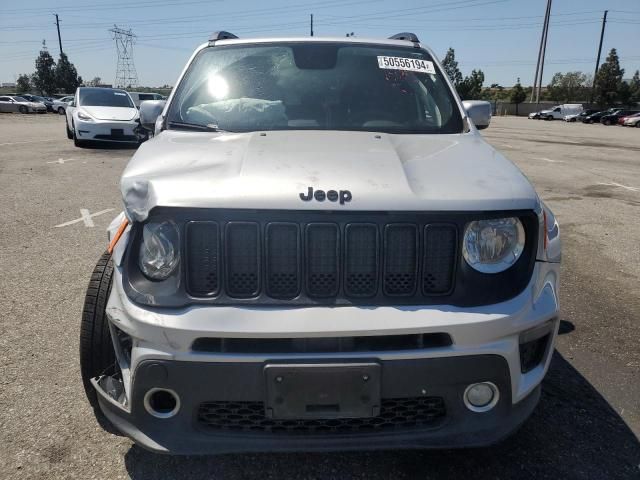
point(343, 195)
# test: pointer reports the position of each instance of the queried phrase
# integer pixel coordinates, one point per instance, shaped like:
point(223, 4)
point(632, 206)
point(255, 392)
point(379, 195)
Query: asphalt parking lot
point(56, 201)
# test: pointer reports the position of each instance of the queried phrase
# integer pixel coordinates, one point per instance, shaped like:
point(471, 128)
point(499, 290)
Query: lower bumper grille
point(395, 414)
point(121, 138)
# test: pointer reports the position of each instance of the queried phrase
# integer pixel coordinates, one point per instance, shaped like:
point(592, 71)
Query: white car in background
point(561, 111)
point(14, 103)
point(103, 115)
point(138, 97)
point(632, 121)
point(60, 104)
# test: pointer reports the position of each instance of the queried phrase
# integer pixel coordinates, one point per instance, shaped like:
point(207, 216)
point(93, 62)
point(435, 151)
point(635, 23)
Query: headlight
point(159, 250)
point(83, 116)
point(492, 246)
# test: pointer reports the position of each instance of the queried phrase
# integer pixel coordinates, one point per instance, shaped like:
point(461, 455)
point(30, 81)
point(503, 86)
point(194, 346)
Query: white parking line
point(86, 217)
point(550, 160)
point(30, 141)
point(616, 184)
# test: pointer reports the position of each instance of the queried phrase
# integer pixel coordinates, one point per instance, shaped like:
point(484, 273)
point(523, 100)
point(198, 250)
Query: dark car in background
point(595, 117)
point(582, 115)
point(613, 118)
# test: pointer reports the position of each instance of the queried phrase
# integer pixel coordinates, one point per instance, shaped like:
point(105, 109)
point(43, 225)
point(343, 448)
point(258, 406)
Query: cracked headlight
point(492, 246)
point(159, 250)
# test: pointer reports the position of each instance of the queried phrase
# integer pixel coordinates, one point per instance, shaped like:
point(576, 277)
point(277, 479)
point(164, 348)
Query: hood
point(272, 170)
point(111, 113)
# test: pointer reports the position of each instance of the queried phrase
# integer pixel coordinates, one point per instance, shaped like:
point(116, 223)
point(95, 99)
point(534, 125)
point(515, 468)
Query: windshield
point(20, 99)
point(104, 97)
point(316, 86)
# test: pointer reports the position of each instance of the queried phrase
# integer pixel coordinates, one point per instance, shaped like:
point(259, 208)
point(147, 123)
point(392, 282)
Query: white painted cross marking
point(62, 160)
point(615, 184)
point(86, 217)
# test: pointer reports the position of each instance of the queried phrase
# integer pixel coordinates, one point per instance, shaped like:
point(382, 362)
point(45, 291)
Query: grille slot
point(361, 260)
point(283, 260)
point(400, 259)
point(243, 259)
point(376, 343)
point(203, 245)
point(440, 247)
point(396, 414)
point(322, 253)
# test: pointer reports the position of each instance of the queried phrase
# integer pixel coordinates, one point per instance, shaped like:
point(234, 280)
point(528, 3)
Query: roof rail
point(221, 35)
point(412, 37)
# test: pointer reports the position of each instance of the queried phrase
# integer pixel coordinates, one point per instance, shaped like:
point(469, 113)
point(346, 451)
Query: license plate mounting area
point(322, 391)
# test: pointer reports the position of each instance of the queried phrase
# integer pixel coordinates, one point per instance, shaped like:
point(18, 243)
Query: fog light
point(161, 403)
point(481, 397)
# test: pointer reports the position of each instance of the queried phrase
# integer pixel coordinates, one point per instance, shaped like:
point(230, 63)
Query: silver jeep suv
point(318, 250)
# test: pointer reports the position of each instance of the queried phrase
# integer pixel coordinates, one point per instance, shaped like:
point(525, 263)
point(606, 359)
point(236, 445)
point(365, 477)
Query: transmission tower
point(126, 76)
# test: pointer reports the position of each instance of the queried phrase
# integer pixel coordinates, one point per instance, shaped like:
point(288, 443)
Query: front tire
point(97, 355)
point(23, 109)
point(96, 348)
point(76, 141)
point(69, 133)
point(61, 111)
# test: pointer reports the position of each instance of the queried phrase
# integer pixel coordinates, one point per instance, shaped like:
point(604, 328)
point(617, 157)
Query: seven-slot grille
point(319, 260)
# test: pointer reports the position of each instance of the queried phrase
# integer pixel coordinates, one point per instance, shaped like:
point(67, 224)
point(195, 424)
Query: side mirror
point(150, 110)
point(479, 112)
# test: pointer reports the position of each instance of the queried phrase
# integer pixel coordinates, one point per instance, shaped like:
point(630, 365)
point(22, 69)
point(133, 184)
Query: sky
point(501, 37)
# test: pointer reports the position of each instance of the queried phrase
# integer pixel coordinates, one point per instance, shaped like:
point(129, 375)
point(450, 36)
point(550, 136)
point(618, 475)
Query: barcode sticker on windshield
point(401, 63)
point(121, 94)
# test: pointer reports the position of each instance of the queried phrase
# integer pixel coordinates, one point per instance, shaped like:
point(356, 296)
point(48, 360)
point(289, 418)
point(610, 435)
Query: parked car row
point(576, 113)
point(28, 103)
point(611, 116)
point(20, 104)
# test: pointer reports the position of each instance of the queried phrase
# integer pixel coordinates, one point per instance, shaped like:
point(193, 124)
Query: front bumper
point(485, 347)
point(106, 131)
point(243, 383)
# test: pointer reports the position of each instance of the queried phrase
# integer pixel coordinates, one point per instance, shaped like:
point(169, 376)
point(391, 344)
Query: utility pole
point(312, 24)
point(544, 29)
point(58, 26)
point(541, 53)
point(595, 74)
point(535, 78)
point(544, 52)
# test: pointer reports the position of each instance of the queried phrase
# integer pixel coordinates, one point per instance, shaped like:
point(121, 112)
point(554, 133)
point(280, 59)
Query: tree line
point(50, 77)
point(609, 87)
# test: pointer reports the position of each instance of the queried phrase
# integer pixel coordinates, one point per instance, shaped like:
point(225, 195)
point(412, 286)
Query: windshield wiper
point(195, 126)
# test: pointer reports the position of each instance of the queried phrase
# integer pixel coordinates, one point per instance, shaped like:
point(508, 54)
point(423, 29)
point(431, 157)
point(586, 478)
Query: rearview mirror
point(150, 110)
point(479, 112)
